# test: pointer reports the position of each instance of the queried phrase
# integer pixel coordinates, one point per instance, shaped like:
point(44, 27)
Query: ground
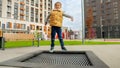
point(109, 54)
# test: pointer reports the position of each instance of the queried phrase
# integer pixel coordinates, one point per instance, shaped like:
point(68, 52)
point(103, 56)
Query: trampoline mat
point(52, 58)
point(57, 59)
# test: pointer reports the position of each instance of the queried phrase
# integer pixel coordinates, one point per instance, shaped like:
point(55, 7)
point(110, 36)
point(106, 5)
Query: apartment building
point(106, 16)
point(24, 16)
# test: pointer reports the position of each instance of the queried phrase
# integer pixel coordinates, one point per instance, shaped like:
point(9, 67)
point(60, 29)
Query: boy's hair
point(58, 3)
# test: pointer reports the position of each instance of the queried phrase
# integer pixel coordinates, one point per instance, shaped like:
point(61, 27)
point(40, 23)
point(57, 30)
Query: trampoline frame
point(17, 62)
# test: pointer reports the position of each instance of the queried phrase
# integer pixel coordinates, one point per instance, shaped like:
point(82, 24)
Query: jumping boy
point(56, 18)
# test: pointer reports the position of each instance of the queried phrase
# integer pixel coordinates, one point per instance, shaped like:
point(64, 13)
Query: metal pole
point(101, 26)
point(83, 22)
point(33, 42)
point(38, 42)
point(3, 44)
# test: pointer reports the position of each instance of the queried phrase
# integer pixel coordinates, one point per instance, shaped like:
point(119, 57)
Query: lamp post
point(83, 22)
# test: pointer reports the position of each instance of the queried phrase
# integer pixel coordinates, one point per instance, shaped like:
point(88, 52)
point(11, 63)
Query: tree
point(89, 22)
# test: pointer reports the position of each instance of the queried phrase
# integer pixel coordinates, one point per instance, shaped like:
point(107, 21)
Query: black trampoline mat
point(54, 58)
point(57, 59)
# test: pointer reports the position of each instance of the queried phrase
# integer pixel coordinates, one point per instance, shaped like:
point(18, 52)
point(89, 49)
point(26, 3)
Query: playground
point(27, 45)
point(108, 54)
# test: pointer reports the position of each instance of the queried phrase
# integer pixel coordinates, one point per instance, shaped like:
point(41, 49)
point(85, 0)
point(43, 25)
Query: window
point(40, 17)
point(45, 5)
point(8, 14)
point(49, 6)
point(21, 17)
point(21, 0)
point(115, 12)
point(116, 28)
point(16, 11)
point(32, 2)
point(0, 8)
point(23, 26)
point(32, 14)
point(21, 6)
point(116, 16)
point(9, 25)
point(0, 11)
point(45, 15)
point(27, 1)
point(94, 8)
point(36, 15)
point(36, 3)
point(32, 27)
point(3, 26)
point(115, 4)
point(16, 0)
point(101, 1)
point(0, 24)
point(21, 11)
point(94, 13)
point(0, 1)
point(108, 0)
point(27, 13)
point(116, 20)
point(9, 2)
point(40, 0)
point(15, 26)
point(9, 9)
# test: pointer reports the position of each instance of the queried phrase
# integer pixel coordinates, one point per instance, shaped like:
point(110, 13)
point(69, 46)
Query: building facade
point(23, 16)
point(106, 17)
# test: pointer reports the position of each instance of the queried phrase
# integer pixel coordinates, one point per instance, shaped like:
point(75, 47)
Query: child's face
point(57, 6)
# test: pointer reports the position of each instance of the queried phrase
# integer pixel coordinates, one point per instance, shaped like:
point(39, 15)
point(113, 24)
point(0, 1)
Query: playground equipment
point(57, 59)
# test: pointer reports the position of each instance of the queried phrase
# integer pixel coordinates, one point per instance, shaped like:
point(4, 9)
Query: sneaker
point(51, 50)
point(64, 49)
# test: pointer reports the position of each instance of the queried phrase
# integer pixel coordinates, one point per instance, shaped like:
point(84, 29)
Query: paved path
point(110, 54)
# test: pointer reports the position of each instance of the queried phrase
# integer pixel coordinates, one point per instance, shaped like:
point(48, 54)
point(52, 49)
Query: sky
point(72, 8)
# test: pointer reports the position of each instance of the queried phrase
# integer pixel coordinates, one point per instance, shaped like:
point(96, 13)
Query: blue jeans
point(57, 30)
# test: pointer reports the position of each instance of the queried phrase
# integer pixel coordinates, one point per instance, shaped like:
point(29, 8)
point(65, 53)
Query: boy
point(56, 17)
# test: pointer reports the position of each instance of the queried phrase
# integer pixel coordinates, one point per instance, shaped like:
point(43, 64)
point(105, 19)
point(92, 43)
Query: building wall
point(106, 17)
point(24, 16)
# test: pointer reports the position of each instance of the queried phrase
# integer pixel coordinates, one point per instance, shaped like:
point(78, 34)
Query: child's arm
point(68, 16)
point(47, 19)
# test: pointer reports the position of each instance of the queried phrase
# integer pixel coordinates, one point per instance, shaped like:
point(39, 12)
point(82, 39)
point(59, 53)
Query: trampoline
point(57, 59)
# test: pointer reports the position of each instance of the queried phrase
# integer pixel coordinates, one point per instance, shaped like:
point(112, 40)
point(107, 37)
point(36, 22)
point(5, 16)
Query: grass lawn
point(15, 44)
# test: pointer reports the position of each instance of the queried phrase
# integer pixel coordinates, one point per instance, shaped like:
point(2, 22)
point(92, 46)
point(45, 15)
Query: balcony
point(22, 3)
point(41, 1)
point(32, 26)
point(21, 8)
point(41, 4)
point(22, 19)
point(40, 18)
point(10, 25)
point(40, 9)
point(22, 14)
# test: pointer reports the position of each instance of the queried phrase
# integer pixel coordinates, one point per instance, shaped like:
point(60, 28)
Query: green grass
point(15, 44)
point(100, 43)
